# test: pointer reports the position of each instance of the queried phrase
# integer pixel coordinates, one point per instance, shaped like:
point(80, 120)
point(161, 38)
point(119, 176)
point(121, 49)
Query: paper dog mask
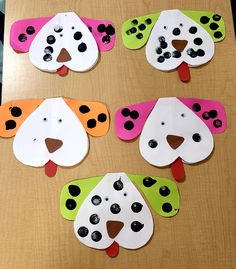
point(175, 38)
point(53, 131)
point(172, 129)
point(63, 41)
point(109, 211)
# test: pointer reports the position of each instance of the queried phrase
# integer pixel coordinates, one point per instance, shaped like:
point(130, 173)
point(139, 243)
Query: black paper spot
point(94, 219)
point(91, 123)
point(216, 17)
point(139, 36)
point(10, 124)
point(152, 143)
point(196, 107)
point(148, 21)
point(71, 204)
point(106, 39)
point(102, 117)
point(142, 27)
point(96, 200)
point(133, 30)
point(176, 31)
point(200, 52)
point(136, 207)
point(101, 28)
point(125, 112)
point(134, 114)
point(96, 236)
point(164, 191)
point(214, 26)
point(82, 47)
point(148, 182)
point(16, 111)
point(205, 116)
point(110, 30)
point(118, 185)
point(204, 19)
point(193, 30)
point(83, 231)
point(217, 123)
point(136, 226)
point(74, 190)
point(84, 109)
point(213, 113)
point(167, 207)
point(30, 30)
point(163, 45)
point(47, 57)
point(90, 29)
point(115, 208)
point(161, 38)
point(196, 137)
point(192, 53)
point(51, 39)
point(176, 54)
point(129, 125)
point(218, 34)
point(167, 55)
point(22, 37)
point(134, 22)
point(77, 35)
point(48, 50)
point(197, 41)
point(159, 50)
point(161, 59)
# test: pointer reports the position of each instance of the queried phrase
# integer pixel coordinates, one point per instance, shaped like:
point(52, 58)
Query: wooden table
point(202, 235)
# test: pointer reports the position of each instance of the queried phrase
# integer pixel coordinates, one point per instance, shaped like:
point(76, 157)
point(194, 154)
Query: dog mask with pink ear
point(172, 130)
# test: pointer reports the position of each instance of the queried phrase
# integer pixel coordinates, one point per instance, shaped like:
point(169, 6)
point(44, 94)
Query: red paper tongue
point(62, 71)
point(50, 168)
point(113, 250)
point(184, 72)
point(177, 170)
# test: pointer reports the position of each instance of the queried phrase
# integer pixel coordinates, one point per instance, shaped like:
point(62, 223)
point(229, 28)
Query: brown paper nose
point(174, 141)
point(114, 227)
point(179, 44)
point(63, 56)
point(53, 144)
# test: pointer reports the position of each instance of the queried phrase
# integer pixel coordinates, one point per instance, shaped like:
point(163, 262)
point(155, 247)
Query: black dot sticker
point(164, 191)
point(148, 21)
point(139, 36)
point(110, 30)
point(134, 114)
point(74, 190)
point(10, 124)
point(51, 39)
point(142, 27)
point(134, 22)
point(149, 182)
point(218, 34)
point(94, 219)
point(216, 17)
point(118, 185)
point(125, 112)
point(196, 107)
point(16, 111)
point(217, 123)
point(48, 50)
point(22, 37)
point(82, 47)
point(136, 207)
point(70, 204)
point(159, 50)
point(30, 30)
point(200, 53)
point(47, 57)
point(197, 41)
point(196, 137)
point(161, 38)
point(101, 28)
point(192, 53)
point(167, 55)
point(129, 125)
point(176, 31)
point(91, 123)
point(84, 109)
point(214, 26)
point(204, 19)
point(176, 54)
point(133, 30)
point(206, 116)
point(77, 35)
point(58, 28)
point(102, 117)
point(213, 113)
point(90, 29)
point(152, 143)
point(161, 59)
point(96, 236)
point(83, 231)
point(96, 200)
point(167, 207)
point(193, 30)
point(163, 45)
point(136, 226)
point(115, 208)
point(106, 39)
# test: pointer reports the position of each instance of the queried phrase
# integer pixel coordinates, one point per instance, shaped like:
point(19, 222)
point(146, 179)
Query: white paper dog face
point(52, 132)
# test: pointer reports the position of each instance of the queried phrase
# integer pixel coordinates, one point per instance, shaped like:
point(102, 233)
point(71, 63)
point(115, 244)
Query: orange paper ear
point(93, 115)
point(13, 114)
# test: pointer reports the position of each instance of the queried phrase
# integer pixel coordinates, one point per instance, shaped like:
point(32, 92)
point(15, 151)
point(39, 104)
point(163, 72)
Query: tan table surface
point(202, 235)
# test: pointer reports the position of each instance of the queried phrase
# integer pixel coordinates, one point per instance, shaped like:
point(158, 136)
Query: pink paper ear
point(23, 32)
point(210, 111)
point(103, 32)
point(129, 120)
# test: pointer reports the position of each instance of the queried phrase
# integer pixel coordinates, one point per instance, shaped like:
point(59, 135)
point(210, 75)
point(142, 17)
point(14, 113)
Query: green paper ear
point(136, 31)
point(73, 195)
point(211, 22)
point(162, 194)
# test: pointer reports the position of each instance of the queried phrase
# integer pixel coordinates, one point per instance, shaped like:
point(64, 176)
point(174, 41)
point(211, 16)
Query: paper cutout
point(110, 212)
point(53, 131)
point(63, 41)
point(175, 38)
point(174, 127)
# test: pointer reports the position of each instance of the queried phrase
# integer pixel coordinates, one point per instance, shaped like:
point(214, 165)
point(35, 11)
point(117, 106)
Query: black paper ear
point(136, 31)
point(211, 22)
